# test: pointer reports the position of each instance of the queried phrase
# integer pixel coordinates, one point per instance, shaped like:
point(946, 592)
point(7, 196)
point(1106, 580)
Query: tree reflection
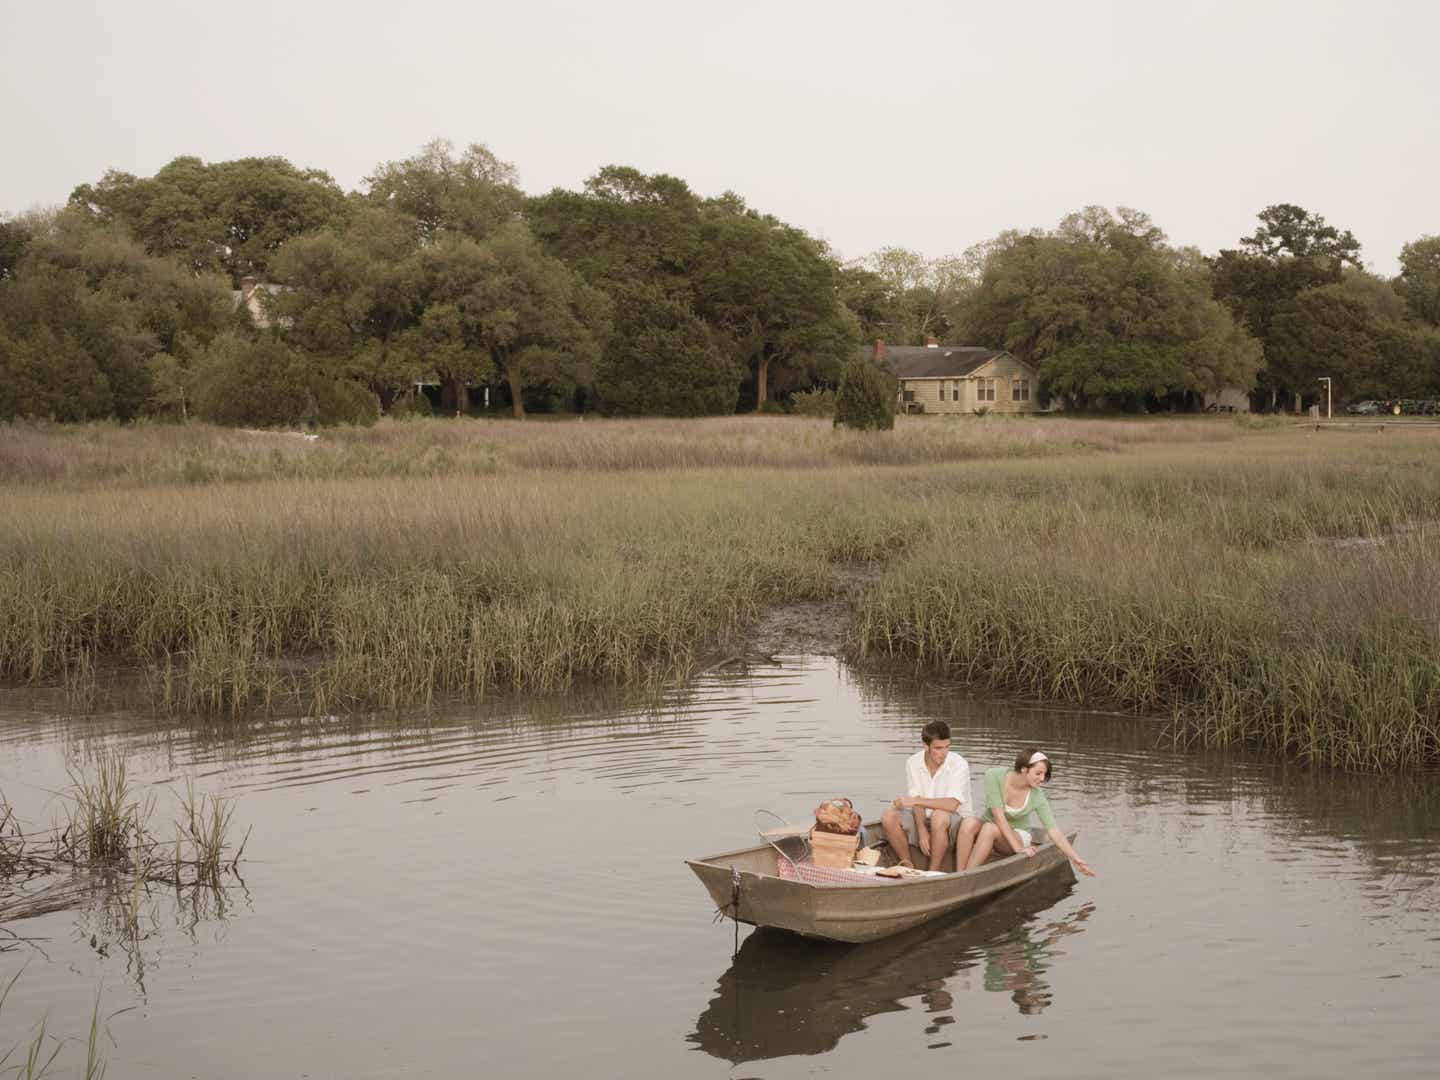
point(784, 994)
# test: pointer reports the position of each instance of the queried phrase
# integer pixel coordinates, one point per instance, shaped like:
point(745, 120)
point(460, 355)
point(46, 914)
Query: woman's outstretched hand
point(1083, 866)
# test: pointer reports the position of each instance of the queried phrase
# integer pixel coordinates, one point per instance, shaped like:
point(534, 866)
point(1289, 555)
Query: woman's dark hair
point(1022, 761)
point(935, 729)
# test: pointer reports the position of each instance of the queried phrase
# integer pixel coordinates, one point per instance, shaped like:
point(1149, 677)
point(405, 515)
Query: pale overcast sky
point(931, 125)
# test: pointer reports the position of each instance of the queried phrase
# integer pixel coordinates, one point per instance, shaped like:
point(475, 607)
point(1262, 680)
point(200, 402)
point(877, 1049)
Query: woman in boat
point(1012, 797)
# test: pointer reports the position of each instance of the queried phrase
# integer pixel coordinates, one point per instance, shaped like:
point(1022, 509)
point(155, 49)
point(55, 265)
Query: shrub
point(411, 407)
point(253, 383)
point(342, 401)
point(664, 361)
point(817, 402)
point(866, 397)
point(771, 408)
point(262, 382)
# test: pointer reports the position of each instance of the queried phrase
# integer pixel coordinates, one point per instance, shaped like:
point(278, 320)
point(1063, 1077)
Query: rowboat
point(774, 884)
point(783, 994)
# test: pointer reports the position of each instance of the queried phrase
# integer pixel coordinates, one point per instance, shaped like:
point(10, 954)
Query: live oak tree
point(773, 292)
point(1291, 250)
point(14, 237)
point(1357, 332)
point(351, 296)
point(547, 324)
point(1108, 312)
point(637, 237)
point(93, 326)
point(1419, 280)
point(470, 193)
point(229, 216)
point(504, 309)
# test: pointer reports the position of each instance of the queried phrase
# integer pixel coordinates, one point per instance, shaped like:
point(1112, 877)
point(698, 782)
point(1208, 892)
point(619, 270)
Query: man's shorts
point(907, 818)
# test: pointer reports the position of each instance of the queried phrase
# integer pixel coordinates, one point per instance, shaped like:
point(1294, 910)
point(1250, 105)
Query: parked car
point(1363, 408)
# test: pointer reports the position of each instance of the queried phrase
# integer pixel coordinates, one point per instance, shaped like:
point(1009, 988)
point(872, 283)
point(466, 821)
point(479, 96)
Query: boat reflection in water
point(784, 994)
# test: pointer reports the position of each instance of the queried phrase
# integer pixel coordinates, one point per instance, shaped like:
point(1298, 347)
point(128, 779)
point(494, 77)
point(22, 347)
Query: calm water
point(504, 891)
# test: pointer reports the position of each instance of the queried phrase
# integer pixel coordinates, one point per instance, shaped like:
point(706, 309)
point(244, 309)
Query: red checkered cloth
point(825, 875)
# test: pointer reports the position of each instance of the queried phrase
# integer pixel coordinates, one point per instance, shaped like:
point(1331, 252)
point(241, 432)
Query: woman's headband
point(1038, 755)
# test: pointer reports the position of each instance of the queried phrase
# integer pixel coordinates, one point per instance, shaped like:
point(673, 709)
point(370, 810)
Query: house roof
point(237, 296)
point(937, 362)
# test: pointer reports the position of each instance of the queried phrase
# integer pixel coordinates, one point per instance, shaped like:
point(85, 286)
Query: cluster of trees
point(1109, 313)
point(1297, 285)
point(635, 295)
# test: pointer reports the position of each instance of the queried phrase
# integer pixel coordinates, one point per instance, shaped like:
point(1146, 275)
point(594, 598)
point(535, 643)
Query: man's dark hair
point(935, 729)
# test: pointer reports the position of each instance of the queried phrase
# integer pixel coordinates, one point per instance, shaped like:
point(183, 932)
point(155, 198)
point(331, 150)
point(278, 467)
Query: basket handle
point(761, 828)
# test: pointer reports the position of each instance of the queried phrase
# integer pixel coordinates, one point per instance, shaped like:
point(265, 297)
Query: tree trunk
point(452, 395)
point(386, 394)
point(762, 380)
point(517, 405)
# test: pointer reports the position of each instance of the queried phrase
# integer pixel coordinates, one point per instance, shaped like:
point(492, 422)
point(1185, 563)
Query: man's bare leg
point(939, 837)
point(895, 835)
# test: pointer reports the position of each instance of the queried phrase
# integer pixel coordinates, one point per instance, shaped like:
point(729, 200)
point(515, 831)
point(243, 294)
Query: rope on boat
point(734, 905)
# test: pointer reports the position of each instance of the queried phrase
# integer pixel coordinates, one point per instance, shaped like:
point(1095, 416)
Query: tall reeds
point(1298, 613)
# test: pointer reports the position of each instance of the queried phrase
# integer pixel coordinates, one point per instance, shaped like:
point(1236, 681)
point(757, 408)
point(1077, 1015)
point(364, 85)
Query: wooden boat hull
point(747, 887)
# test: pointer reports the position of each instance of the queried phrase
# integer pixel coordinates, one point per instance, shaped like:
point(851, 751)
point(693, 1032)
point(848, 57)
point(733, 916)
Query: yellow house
point(960, 379)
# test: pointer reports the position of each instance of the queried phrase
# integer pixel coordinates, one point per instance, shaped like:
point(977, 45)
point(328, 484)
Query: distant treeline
point(637, 296)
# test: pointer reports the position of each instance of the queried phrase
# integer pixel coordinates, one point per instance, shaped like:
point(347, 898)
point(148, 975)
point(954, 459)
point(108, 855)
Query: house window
point(955, 392)
point(906, 395)
point(1019, 389)
point(945, 390)
point(984, 389)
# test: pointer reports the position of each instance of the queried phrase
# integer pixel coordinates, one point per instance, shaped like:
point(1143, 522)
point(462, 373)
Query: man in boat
point(935, 813)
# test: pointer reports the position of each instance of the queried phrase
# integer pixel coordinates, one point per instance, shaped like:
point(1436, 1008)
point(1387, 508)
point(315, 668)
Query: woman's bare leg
point(990, 840)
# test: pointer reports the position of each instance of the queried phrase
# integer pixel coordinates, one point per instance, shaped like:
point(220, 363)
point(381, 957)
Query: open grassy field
point(1263, 584)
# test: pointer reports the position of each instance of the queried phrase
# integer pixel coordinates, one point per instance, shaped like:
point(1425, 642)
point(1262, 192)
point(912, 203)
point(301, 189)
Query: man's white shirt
point(951, 781)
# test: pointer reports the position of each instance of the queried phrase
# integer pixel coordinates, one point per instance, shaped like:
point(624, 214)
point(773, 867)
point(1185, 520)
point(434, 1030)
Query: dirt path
point(814, 627)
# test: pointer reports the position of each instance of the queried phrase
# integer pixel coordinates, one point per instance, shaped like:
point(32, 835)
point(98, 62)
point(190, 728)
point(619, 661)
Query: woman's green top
point(1034, 802)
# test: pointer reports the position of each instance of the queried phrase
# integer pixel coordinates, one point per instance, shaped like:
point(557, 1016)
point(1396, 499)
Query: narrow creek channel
point(502, 890)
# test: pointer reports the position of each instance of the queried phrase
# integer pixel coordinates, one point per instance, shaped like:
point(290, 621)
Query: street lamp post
point(1326, 380)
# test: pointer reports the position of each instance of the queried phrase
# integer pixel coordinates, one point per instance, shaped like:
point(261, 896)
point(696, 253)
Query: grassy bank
point(1288, 599)
point(1267, 586)
point(78, 457)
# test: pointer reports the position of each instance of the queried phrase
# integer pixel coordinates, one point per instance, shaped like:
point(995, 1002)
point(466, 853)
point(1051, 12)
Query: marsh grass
point(107, 828)
point(105, 821)
point(1236, 611)
point(204, 825)
point(37, 1058)
point(1264, 585)
point(49, 456)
